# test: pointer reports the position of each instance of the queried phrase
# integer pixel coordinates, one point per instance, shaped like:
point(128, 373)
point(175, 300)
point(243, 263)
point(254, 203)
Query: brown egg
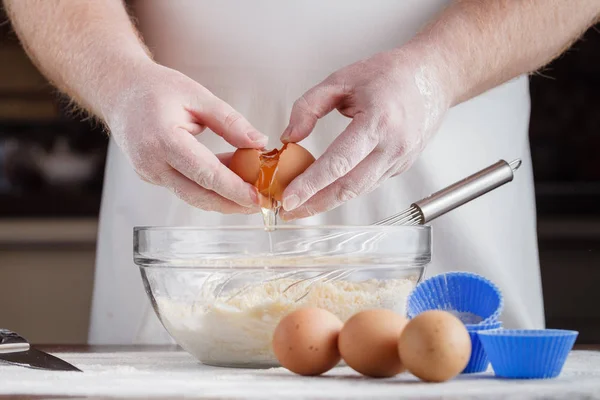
point(368, 342)
point(435, 346)
point(271, 171)
point(305, 341)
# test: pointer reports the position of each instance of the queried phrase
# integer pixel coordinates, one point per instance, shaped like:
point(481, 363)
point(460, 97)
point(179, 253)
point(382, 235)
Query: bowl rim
point(152, 259)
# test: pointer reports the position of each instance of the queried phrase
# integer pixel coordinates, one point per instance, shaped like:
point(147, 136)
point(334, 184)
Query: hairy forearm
point(87, 49)
point(479, 44)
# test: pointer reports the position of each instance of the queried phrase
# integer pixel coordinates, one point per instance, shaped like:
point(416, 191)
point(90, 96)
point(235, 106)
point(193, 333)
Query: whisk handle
point(466, 189)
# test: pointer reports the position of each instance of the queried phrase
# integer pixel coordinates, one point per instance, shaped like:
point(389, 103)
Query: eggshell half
point(246, 164)
point(293, 160)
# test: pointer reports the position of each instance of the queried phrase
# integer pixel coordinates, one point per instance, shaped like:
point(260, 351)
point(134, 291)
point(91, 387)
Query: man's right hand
point(90, 50)
point(154, 122)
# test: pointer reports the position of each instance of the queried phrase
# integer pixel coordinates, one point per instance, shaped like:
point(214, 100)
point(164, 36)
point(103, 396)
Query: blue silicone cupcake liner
point(479, 361)
point(459, 292)
point(527, 354)
point(484, 327)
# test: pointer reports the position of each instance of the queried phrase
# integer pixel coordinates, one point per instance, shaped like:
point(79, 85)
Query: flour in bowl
point(237, 331)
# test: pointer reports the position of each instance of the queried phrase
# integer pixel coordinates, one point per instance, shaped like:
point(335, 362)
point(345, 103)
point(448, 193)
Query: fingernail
point(286, 134)
point(291, 202)
point(254, 196)
point(258, 137)
point(284, 217)
point(264, 201)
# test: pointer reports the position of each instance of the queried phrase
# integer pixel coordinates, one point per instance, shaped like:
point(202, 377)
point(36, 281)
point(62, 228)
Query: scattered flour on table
point(169, 375)
point(236, 331)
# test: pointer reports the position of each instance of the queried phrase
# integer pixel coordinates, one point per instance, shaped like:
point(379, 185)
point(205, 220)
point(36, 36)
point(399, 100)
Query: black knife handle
point(8, 337)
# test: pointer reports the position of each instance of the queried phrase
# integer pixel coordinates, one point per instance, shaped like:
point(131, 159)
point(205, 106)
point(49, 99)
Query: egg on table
point(368, 342)
point(305, 341)
point(271, 171)
point(435, 346)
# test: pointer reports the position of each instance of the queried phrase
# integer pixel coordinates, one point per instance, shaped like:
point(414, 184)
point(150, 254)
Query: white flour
point(238, 332)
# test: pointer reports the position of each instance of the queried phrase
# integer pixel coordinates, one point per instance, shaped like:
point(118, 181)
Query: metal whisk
point(431, 207)
point(424, 211)
point(455, 195)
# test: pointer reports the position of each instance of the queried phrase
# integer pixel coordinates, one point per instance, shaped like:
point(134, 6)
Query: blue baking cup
point(479, 361)
point(461, 292)
point(484, 327)
point(527, 354)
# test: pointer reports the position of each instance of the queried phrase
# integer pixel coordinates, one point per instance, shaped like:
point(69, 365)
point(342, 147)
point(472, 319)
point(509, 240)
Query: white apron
point(260, 56)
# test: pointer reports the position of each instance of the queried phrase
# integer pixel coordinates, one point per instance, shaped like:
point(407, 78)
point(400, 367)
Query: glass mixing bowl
point(221, 291)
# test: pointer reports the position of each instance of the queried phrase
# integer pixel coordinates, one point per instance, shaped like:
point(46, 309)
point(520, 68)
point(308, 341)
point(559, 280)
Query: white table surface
point(175, 374)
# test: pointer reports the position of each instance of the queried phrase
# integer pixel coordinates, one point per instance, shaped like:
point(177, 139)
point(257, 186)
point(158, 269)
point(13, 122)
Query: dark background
point(52, 165)
point(565, 139)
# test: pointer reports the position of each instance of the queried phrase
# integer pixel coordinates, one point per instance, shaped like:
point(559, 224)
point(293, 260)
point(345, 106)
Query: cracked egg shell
point(271, 171)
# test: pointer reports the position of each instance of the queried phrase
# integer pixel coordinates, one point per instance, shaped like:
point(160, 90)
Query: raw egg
point(435, 346)
point(271, 171)
point(368, 342)
point(305, 341)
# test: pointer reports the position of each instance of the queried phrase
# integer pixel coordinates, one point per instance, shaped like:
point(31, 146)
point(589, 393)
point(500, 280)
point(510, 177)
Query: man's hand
point(91, 51)
point(396, 102)
point(154, 125)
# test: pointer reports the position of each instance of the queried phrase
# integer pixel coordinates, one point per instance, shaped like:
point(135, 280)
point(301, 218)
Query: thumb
point(226, 122)
point(308, 109)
